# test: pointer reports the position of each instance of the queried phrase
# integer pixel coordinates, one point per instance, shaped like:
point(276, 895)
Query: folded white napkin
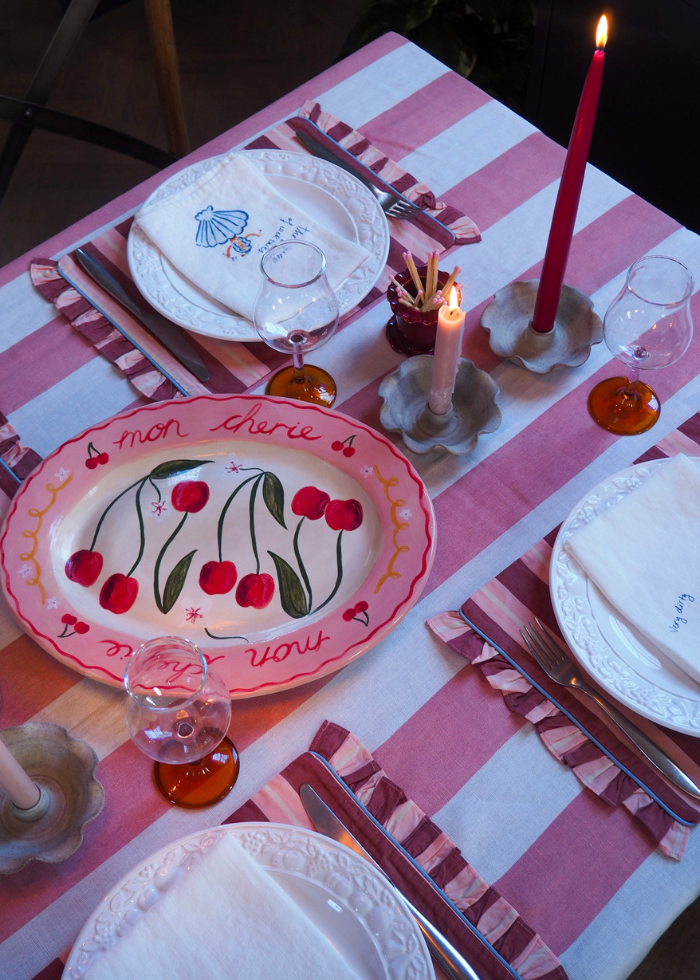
point(216, 230)
point(225, 917)
point(643, 553)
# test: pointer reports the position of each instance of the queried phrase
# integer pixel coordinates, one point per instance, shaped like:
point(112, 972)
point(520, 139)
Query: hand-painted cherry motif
point(190, 496)
point(340, 447)
point(95, 457)
point(343, 515)
point(310, 502)
point(255, 590)
point(119, 592)
point(69, 620)
point(217, 577)
point(358, 612)
point(84, 567)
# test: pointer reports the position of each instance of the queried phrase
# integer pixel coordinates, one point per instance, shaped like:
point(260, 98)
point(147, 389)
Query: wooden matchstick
point(411, 266)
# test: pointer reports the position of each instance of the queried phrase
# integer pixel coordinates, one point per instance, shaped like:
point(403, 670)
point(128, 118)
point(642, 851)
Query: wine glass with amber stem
point(178, 714)
point(297, 311)
point(647, 326)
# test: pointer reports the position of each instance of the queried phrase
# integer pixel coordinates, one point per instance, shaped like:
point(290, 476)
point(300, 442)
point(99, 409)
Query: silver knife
point(305, 130)
point(441, 950)
point(162, 329)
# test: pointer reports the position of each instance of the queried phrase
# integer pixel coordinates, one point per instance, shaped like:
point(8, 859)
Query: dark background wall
point(646, 133)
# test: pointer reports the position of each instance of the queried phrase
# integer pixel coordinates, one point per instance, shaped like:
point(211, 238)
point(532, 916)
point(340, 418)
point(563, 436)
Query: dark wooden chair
point(32, 112)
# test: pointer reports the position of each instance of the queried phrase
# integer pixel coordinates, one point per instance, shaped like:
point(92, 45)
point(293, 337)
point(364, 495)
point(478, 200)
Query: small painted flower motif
point(404, 513)
point(232, 467)
point(62, 475)
point(366, 471)
point(25, 571)
point(52, 602)
point(158, 507)
point(192, 614)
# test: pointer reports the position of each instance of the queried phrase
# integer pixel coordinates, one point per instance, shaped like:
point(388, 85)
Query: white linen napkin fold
point(216, 230)
point(643, 553)
point(225, 917)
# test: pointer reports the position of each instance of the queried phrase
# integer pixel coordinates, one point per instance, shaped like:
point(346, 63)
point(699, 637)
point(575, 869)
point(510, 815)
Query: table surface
point(582, 875)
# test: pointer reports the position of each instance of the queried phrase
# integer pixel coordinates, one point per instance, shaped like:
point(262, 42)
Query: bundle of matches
point(428, 296)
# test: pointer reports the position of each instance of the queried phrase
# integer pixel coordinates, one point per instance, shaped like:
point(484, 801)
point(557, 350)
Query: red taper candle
point(566, 207)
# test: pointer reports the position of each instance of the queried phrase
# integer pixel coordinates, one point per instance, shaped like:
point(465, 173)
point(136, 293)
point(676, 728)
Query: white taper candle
point(23, 792)
point(448, 348)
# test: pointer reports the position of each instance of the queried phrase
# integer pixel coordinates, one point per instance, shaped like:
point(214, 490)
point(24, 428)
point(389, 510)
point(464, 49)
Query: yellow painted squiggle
point(30, 556)
point(398, 527)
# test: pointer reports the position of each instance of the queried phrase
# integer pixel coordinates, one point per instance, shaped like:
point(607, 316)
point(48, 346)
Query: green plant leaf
point(273, 495)
point(176, 581)
point(292, 594)
point(174, 466)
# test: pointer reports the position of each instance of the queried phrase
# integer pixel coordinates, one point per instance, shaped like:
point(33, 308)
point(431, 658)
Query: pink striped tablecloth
point(583, 875)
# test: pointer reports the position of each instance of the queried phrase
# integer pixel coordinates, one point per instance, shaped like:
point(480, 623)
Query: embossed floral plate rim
point(303, 175)
point(625, 663)
point(376, 594)
point(273, 847)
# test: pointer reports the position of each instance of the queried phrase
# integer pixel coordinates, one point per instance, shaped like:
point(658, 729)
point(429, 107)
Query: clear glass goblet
point(296, 311)
point(647, 326)
point(178, 714)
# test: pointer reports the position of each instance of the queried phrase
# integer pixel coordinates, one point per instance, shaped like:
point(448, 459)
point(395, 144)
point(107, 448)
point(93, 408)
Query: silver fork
point(558, 665)
point(392, 205)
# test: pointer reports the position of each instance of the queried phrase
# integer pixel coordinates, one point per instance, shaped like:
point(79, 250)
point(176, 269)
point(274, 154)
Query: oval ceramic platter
point(348, 901)
point(284, 539)
point(328, 194)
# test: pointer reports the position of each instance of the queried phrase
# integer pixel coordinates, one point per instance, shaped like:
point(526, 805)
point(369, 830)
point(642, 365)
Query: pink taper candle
point(566, 207)
point(23, 792)
point(448, 347)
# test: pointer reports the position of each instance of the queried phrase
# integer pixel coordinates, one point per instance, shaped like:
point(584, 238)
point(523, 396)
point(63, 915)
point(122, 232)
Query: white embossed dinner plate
point(348, 901)
point(283, 538)
point(620, 658)
point(326, 193)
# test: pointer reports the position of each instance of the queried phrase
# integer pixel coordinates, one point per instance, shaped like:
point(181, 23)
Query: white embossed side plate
point(347, 900)
point(614, 653)
point(328, 194)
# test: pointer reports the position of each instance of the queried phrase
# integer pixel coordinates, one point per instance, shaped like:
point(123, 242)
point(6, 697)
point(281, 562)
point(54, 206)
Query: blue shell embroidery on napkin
point(219, 227)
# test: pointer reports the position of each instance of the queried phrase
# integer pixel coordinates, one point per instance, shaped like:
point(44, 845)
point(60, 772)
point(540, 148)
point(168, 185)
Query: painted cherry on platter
point(84, 567)
point(255, 590)
point(217, 577)
point(119, 592)
point(344, 515)
point(190, 496)
point(310, 502)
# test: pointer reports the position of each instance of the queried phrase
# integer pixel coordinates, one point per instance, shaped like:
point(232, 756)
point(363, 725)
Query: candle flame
point(454, 298)
point(601, 33)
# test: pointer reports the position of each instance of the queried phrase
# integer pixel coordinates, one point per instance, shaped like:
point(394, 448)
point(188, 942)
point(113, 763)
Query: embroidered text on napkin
point(216, 230)
point(643, 553)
